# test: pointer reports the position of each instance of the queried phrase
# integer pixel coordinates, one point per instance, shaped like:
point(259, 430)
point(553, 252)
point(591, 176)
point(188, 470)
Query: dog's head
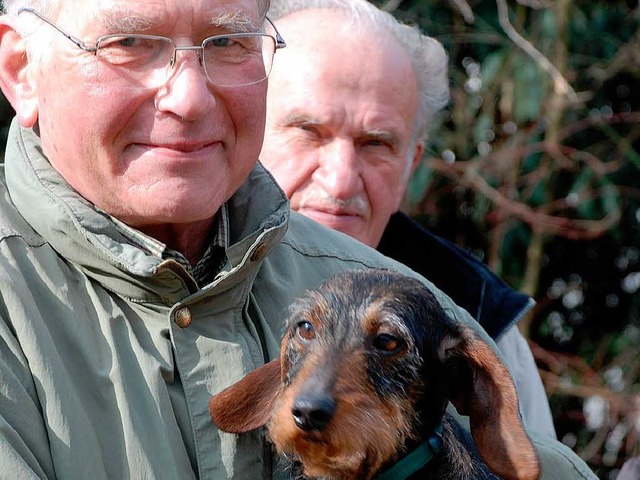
point(368, 361)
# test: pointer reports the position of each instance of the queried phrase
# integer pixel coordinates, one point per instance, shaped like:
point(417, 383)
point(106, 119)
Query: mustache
point(318, 198)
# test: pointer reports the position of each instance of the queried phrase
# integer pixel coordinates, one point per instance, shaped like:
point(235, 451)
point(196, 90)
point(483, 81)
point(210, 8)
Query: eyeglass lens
point(233, 60)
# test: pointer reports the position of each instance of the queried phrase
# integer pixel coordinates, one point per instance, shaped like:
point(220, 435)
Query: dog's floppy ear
point(248, 403)
point(481, 388)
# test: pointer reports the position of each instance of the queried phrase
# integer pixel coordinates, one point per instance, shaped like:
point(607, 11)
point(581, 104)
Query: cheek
point(385, 196)
point(291, 166)
point(94, 80)
point(285, 173)
point(245, 110)
point(82, 96)
point(246, 107)
point(385, 190)
point(86, 156)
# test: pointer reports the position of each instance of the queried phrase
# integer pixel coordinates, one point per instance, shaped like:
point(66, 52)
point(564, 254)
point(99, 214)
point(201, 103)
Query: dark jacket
point(469, 282)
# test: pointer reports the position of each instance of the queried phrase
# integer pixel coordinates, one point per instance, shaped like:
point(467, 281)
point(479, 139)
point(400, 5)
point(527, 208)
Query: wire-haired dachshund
point(368, 365)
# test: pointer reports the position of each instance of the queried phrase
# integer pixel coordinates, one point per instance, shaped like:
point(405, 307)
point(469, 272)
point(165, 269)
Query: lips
point(329, 210)
point(340, 220)
point(184, 147)
point(178, 151)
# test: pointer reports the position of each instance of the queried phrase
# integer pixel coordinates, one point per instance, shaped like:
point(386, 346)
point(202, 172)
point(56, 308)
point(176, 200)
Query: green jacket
point(109, 355)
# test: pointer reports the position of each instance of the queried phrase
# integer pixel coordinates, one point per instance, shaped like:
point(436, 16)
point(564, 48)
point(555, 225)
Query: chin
point(168, 215)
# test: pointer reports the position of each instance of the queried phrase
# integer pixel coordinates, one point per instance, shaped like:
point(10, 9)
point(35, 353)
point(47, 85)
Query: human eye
point(308, 129)
point(131, 49)
point(217, 42)
point(222, 42)
point(378, 142)
point(310, 134)
point(233, 48)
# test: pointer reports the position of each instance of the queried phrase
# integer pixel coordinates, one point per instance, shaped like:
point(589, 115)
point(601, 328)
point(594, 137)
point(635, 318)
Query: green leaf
point(491, 66)
point(548, 23)
point(528, 90)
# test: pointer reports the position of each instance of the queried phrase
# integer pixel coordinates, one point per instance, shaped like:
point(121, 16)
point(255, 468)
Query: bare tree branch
point(390, 5)
point(539, 221)
point(560, 84)
point(535, 4)
point(465, 10)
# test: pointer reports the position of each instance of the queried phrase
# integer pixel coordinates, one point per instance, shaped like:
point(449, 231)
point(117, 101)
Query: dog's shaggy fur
point(368, 365)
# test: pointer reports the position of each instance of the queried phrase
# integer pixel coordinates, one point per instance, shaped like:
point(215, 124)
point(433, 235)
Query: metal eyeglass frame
point(280, 43)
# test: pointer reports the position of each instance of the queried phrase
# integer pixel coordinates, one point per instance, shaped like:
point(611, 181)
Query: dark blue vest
point(468, 281)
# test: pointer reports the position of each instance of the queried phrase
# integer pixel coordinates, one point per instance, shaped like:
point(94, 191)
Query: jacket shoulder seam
point(325, 254)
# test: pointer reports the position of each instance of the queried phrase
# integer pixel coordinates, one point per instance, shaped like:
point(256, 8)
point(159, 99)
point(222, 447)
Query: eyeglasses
point(230, 60)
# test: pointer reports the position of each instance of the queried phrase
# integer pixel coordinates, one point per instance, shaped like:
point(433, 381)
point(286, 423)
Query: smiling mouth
point(176, 151)
point(184, 147)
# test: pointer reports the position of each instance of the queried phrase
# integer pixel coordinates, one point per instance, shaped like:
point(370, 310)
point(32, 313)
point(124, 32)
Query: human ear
point(16, 81)
point(417, 156)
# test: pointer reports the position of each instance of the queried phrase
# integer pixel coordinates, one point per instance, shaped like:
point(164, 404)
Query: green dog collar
point(415, 460)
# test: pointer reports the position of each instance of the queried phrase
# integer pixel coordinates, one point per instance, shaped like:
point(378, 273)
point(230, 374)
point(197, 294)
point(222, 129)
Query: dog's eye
point(306, 331)
point(386, 342)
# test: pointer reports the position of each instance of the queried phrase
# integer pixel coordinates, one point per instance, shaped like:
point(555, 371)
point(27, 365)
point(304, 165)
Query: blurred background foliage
point(535, 168)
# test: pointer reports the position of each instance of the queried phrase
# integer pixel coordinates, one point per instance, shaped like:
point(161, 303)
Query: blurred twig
point(561, 85)
point(626, 58)
point(570, 376)
point(465, 10)
point(390, 5)
point(466, 174)
point(535, 4)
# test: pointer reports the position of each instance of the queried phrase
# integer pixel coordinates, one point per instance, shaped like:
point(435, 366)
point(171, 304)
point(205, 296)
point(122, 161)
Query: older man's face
point(168, 154)
point(340, 112)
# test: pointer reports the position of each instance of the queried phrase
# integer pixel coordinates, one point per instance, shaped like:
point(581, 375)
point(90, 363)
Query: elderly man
point(348, 109)
point(146, 259)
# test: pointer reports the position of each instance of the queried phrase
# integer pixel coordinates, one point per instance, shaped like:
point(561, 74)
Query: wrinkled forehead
point(323, 47)
point(113, 13)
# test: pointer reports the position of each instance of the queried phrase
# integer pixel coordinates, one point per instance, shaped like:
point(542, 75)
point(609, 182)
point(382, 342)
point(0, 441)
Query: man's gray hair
point(45, 7)
point(27, 25)
point(427, 55)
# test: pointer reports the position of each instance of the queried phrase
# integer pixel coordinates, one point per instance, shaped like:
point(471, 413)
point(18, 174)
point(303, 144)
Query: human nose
point(186, 91)
point(339, 171)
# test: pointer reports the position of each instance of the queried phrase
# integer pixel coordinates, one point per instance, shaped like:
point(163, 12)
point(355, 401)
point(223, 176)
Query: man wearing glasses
point(146, 259)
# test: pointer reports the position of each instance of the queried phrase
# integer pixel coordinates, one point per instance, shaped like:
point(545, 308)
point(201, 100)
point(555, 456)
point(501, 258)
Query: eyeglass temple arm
point(75, 40)
point(280, 43)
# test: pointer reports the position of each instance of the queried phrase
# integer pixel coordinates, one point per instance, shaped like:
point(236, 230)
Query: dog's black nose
point(313, 412)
